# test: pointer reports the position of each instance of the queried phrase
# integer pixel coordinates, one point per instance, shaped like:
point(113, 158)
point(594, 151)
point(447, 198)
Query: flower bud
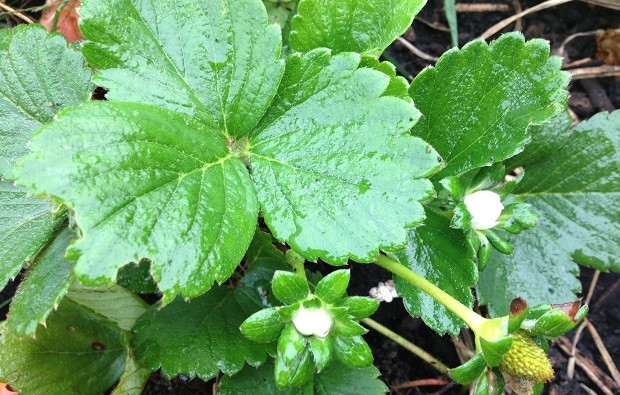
point(312, 322)
point(485, 208)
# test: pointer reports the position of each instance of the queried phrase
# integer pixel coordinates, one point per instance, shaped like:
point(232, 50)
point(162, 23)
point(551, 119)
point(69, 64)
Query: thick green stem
point(473, 320)
point(398, 339)
point(297, 262)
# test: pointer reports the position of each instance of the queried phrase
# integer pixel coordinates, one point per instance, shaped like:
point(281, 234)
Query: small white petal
point(485, 207)
point(316, 321)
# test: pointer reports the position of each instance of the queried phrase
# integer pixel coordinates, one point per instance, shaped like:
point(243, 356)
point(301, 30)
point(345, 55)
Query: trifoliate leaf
point(218, 63)
point(345, 26)
point(336, 378)
point(43, 287)
point(336, 173)
point(333, 287)
point(25, 226)
point(146, 182)
point(76, 349)
point(39, 75)
point(477, 102)
point(445, 257)
point(576, 191)
point(116, 304)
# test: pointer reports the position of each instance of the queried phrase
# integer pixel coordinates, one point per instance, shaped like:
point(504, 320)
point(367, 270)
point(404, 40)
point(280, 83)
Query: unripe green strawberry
point(526, 360)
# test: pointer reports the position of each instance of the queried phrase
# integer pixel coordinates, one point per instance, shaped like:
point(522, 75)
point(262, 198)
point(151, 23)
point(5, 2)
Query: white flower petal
point(485, 207)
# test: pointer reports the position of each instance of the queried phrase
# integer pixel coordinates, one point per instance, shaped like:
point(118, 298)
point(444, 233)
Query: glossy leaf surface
point(363, 26)
point(43, 287)
point(336, 378)
point(190, 203)
point(209, 325)
point(25, 226)
point(443, 256)
point(39, 75)
point(218, 63)
point(576, 193)
point(75, 340)
point(477, 102)
point(331, 161)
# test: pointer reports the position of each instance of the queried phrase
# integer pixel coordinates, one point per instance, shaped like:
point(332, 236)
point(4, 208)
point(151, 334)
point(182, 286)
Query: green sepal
point(286, 312)
point(517, 217)
point(264, 326)
point(289, 287)
point(484, 255)
point(461, 218)
point(518, 314)
point(506, 188)
point(333, 286)
point(469, 371)
point(538, 388)
point(493, 351)
point(294, 366)
point(558, 320)
point(347, 327)
point(491, 383)
point(322, 351)
point(455, 187)
point(487, 177)
point(359, 307)
point(352, 351)
point(499, 243)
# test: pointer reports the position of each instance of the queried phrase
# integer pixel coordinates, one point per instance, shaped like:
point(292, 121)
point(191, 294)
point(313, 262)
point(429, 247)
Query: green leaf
point(352, 351)
point(445, 257)
point(398, 87)
point(133, 379)
point(469, 371)
point(40, 74)
point(162, 186)
point(43, 287)
point(289, 287)
point(20, 217)
point(336, 378)
point(280, 11)
point(77, 349)
point(363, 26)
point(336, 173)
point(208, 326)
point(264, 326)
point(116, 304)
point(577, 193)
point(546, 140)
point(137, 278)
point(478, 102)
point(359, 307)
point(218, 63)
point(333, 287)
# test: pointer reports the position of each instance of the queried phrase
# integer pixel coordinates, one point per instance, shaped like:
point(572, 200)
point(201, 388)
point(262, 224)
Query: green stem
point(473, 320)
point(398, 339)
point(297, 263)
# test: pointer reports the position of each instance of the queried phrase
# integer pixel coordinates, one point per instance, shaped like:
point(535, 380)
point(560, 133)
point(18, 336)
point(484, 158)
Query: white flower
point(485, 208)
point(314, 321)
point(384, 292)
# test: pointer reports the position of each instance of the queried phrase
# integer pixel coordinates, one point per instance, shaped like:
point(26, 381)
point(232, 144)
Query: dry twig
point(420, 383)
point(595, 72)
point(18, 14)
point(481, 7)
point(598, 377)
point(604, 353)
point(416, 51)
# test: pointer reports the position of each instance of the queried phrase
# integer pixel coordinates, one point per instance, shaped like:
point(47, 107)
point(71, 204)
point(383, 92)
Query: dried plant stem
point(417, 52)
point(604, 353)
point(595, 72)
point(398, 339)
point(18, 14)
point(499, 26)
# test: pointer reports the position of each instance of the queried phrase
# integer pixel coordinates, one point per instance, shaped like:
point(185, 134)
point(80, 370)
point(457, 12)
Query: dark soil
point(398, 365)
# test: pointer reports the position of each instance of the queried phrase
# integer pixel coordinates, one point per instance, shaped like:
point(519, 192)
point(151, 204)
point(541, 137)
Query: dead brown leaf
point(608, 47)
point(67, 24)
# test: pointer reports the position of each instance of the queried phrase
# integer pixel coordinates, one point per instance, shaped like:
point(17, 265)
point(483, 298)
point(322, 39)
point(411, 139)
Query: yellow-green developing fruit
point(526, 360)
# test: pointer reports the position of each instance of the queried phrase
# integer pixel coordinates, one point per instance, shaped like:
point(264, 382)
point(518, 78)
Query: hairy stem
point(398, 339)
point(473, 320)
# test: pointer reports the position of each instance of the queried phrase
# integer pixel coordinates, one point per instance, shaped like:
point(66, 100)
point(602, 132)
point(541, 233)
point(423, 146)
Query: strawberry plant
point(225, 139)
